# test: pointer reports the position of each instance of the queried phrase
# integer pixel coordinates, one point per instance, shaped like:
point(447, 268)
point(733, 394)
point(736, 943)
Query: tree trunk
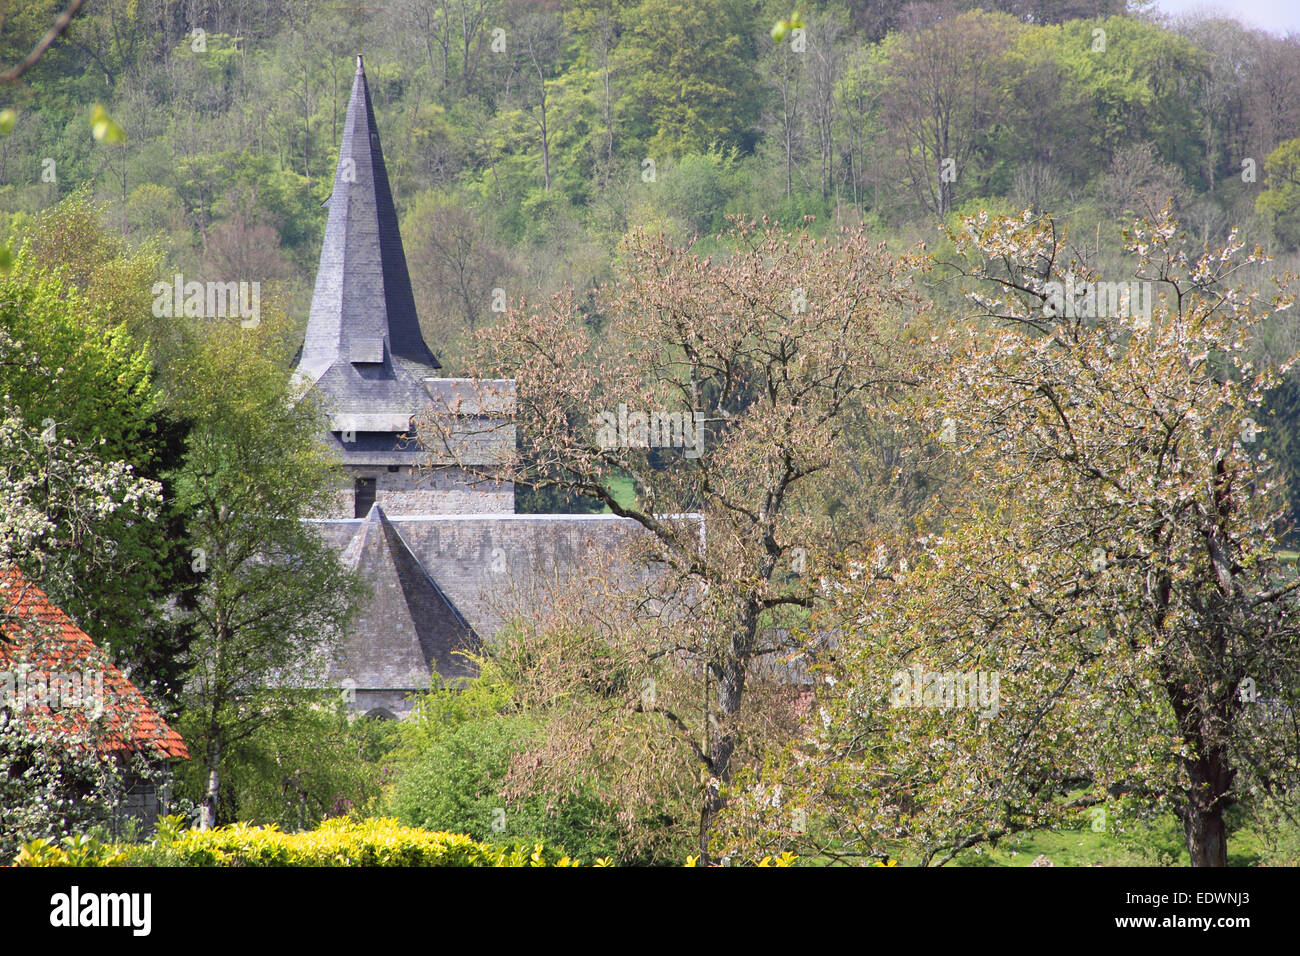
point(1203, 825)
point(1209, 771)
point(546, 152)
point(208, 814)
point(1207, 841)
point(731, 688)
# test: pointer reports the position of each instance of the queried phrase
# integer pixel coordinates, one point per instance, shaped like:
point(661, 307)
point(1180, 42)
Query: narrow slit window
point(365, 497)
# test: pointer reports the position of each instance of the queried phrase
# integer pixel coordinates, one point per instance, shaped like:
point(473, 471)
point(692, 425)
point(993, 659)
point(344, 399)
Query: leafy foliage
point(1281, 201)
point(451, 768)
point(304, 765)
point(337, 842)
point(1114, 568)
point(271, 597)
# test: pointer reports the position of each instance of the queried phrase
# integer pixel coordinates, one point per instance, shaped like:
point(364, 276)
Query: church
point(445, 557)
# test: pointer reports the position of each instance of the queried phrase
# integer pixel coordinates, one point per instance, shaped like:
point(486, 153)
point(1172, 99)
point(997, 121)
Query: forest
point(520, 162)
point(846, 236)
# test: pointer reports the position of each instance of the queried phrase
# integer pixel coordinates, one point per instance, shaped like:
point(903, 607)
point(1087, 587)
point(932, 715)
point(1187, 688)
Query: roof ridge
point(391, 532)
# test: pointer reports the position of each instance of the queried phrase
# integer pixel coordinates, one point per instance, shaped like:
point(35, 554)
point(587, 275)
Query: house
point(50, 666)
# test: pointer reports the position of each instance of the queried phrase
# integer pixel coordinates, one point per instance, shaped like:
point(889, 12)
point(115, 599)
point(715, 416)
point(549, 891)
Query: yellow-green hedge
point(341, 842)
point(338, 842)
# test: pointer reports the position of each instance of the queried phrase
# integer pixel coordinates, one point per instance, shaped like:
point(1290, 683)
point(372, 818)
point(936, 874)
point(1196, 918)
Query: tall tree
point(65, 369)
point(938, 105)
point(1107, 625)
point(1280, 202)
point(537, 37)
point(825, 64)
point(689, 77)
point(743, 374)
point(463, 263)
point(783, 67)
point(271, 596)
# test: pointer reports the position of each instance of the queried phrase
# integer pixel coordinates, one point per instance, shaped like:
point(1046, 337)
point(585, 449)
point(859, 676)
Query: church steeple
point(363, 310)
point(365, 360)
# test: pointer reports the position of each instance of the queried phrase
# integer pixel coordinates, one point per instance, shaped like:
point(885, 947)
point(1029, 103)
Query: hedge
point(339, 842)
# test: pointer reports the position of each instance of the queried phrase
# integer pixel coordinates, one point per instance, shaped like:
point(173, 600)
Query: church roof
point(407, 627)
point(39, 641)
point(363, 348)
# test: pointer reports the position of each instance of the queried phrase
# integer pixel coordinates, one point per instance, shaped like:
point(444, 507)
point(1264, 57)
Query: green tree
point(451, 769)
point(271, 596)
point(72, 238)
point(697, 188)
point(1105, 626)
point(1280, 202)
point(1111, 83)
point(307, 764)
point(937, 87)
point(97, 324)
point(688, 76)
point(82, 379)
point(28, 32)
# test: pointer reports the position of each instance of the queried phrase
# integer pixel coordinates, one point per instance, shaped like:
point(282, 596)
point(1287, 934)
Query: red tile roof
point(35, 633)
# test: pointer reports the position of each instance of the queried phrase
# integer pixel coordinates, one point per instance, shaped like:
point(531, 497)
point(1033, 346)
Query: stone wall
point(410, 491)
point(144, 800)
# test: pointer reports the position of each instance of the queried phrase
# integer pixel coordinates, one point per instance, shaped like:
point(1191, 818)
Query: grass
point(1263, 837)
point(1160, 844)
point(623, 490)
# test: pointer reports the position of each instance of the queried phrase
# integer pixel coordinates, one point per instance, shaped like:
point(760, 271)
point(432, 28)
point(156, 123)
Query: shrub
point(338, 842)
point(452, 767)
point(698, 188)
point(308, 765)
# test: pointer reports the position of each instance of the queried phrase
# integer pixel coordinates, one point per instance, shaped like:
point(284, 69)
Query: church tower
point(365, 356)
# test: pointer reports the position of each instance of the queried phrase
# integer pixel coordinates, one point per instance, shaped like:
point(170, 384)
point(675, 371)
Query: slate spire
point(363, 310)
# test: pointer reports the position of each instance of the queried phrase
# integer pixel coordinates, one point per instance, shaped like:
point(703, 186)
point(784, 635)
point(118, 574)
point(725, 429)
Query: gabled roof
point(407, 627)
point(363, 348)
point(41, 639)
